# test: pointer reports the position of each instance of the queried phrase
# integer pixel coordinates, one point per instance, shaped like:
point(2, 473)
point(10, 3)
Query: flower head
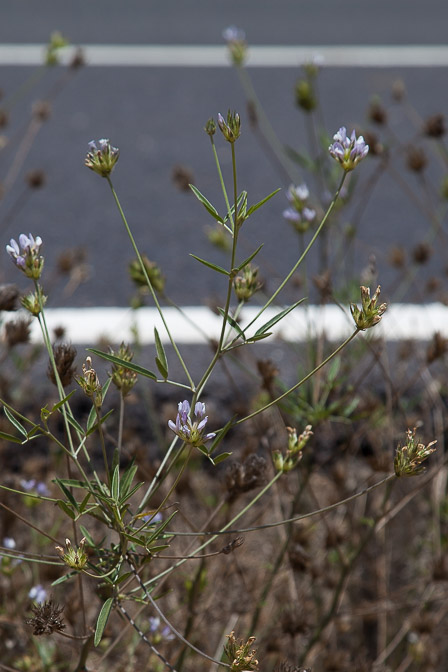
point(369, 314)
point(409, 458)
point(299, 214)
point(102, 158)
point(349, 151)
point(247, 283)
point(236, 42)
point(74, 557)
point(230, 127)
point(191, 432)
point(25, 255)
point(38, 594)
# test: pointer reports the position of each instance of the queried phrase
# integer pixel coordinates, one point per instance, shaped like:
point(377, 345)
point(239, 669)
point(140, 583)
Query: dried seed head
point(47, 618)
point(421, 253)
point(35, 179)
point(377, 112)
point(182, 178)
point(434, 127)
point(8, 297)
point(42, 110)
point(243, 477)
point(437, 348)
point(416, 159)
point(64, 356)
point(17, 331)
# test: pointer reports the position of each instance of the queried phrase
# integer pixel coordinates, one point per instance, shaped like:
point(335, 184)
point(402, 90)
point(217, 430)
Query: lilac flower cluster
point(102, 158)
point(38, 487)
point(25, 254)
point(236, 42)
point(299, 214)
point(349, 151)
point(38, 594)
point(166, 633)
point(192, 432)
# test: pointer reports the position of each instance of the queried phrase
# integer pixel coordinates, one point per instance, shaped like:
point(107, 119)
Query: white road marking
point(88, 326)
point(266, 56)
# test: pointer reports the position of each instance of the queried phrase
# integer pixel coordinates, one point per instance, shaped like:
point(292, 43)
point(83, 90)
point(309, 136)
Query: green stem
point(149, 283)
point(302, 256)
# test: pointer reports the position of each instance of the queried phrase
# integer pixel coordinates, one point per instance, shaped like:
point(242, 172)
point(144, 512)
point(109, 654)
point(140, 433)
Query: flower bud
point(247, 283)
point(230, 128)
point(90, 383)
point(370, 314)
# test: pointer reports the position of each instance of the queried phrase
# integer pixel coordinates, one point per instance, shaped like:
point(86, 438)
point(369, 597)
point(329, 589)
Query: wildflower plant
point(128, 522)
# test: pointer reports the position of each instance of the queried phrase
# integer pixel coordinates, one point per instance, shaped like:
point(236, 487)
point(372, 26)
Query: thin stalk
point(149, 283)
point(117, 451)
point(103, 444)
point(302, 256)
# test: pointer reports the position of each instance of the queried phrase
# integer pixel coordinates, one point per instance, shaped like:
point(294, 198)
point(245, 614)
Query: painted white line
point(269, 56)
point(87, 326)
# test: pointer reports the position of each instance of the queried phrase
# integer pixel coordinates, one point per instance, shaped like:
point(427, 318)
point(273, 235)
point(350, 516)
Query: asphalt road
point(156, 115)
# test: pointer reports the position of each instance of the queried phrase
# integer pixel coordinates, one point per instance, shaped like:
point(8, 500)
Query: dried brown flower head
point(421, 253)
point(416, 159)
point(268, 371)
point(243, 477)
point(64, 356)
point(17, 331)
point(377, 112)
point(35, 179)
point(182, 178)
point(434, 126)
point(397, 257)
point(8, 297)
point(47, 618)
point(437, 348)
point(42, 110)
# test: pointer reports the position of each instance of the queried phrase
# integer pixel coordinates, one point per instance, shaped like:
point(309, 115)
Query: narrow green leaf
point(220, 458)
point(249, 259)
point(94, 427)
point(122, 362)
point(115, 485)
point(260, 203)
point(123, 577)
point(278, 317)
point(202, 449)
point(72, 482)
point(63, 401)
point(128, 477)
point(74, 423)
point(103, 617)
point(210, 265)
point(254, 339)
point(159, 530)
point(85, 501)
point(20, 428)
point(232, 323)
point(161, 361)
point(66, 577)
point(66, 509)
point(67, 493)
point(131, 492)
point(10, 437)
point(221, 434)
point(206, 203)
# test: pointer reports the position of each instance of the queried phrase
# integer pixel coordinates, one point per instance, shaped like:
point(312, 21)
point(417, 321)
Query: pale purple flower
point(292, 216)
point(38, 594)
point(26, 257)
point(154, 622)
point(9, 542)
point(191, 432)
point(233, 34)
point(300, 193)
point(348, 151)
point(101, 158)
point(39, 487)
point(167, 633)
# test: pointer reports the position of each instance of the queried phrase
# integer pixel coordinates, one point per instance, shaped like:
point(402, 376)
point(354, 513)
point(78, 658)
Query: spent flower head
point(240, 655)
point(25, 255)
point(47, 618)
point(369, 314)
point(230, 127)
point(191, 431)
point(236, 43)
point(102, 158)
point(409, 458)
point(293, 453)
point(348, 151)
point(74, 557)
point(90, 383)
point(247, 283)
point(123, 378)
